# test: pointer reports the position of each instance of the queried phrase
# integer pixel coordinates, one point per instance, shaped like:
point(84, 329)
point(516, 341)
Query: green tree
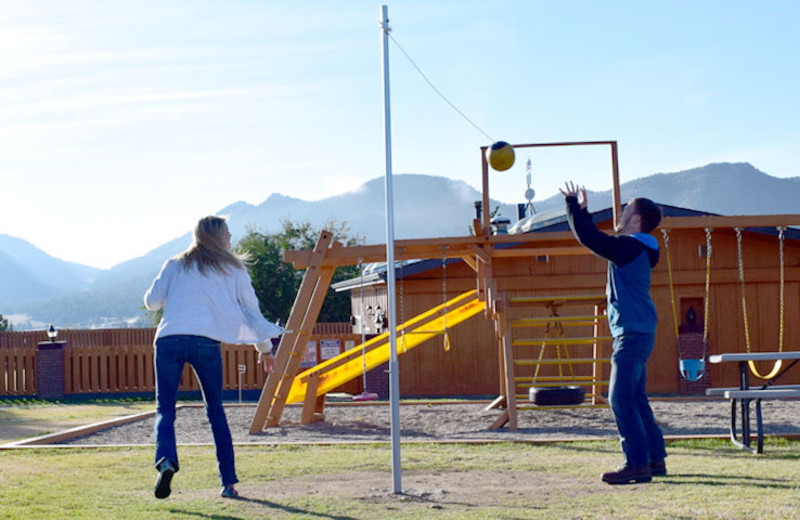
point(5, 324)
point(276, 282)
point(154, 317)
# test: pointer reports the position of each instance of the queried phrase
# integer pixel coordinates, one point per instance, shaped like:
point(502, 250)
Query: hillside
point(50, 290)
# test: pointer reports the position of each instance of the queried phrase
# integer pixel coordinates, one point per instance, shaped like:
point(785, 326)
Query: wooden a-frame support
point(291, 348)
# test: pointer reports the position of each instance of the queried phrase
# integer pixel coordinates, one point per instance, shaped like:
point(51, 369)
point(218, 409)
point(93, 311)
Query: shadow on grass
point(693, 479)
point(700, 448)
point(268, 506)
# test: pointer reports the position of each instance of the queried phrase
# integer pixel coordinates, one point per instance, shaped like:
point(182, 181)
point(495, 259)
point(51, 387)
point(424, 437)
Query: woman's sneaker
point(165, 472)
point(228, 492)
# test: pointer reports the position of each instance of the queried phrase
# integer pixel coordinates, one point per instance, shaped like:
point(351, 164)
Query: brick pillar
point(50, 369)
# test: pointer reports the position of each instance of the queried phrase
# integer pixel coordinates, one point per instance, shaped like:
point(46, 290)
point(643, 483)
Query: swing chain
point(697, 372)
point(706, 303)
point(781, 230)
point(739, 256)
point(446, 338)
point(361, 326)
point(778, 364)
point(665, 233)
point(444, 279)
point(401, 251)
point(361, 300)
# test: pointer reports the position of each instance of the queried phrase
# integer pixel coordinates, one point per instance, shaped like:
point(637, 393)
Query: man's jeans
point(203, 354)
point(640, 436)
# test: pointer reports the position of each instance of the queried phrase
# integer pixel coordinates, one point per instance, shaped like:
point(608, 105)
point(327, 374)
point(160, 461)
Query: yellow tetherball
point(500, 156)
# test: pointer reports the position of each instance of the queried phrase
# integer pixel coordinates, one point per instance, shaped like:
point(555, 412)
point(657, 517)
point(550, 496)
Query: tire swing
point(555, 395)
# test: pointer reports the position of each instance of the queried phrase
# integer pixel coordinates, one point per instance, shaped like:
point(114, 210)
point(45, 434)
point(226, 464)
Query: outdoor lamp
point(52, 332)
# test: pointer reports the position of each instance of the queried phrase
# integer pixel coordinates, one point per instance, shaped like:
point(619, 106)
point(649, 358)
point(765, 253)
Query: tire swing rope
point(779, 363)
point(569, 396)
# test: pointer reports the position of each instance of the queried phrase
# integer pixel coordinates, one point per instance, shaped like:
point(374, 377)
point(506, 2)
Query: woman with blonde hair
point(208, 299)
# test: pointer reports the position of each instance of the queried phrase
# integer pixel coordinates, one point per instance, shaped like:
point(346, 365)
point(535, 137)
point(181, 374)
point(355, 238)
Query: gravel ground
point(462, 421)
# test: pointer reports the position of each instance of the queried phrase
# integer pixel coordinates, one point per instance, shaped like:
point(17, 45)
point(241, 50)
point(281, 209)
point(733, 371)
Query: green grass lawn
point(25, 418)
point(707, 479)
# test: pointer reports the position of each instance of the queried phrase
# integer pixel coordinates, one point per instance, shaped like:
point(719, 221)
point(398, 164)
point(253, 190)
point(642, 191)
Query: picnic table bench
point(744, 394)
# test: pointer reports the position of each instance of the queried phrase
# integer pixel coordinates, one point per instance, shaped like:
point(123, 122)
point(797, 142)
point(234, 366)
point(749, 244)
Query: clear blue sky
point(122, 123)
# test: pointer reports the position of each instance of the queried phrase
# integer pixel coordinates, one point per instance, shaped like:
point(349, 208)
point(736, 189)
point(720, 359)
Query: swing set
point(693, 369)
point(498, 286)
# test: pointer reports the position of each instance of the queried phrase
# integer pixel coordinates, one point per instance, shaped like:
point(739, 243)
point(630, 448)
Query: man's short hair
point(649, 212)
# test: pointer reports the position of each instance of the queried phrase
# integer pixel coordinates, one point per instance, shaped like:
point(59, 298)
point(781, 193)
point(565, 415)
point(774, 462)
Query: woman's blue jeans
point(204, 355)
point(640, 436)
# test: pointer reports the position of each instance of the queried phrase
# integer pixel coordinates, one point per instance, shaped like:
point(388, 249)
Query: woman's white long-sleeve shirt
point(216, 305)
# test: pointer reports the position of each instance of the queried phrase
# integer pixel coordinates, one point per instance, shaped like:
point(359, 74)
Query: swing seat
point(366, 396)
point(692, 369)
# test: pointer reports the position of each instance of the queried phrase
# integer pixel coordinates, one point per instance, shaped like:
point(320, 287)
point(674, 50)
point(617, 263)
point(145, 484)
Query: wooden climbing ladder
point(522, 366)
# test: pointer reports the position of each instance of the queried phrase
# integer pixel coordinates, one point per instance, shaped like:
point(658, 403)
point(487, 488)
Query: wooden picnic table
point(746, 394)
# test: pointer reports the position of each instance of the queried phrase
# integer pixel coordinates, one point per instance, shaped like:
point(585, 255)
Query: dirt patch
point(452, 422)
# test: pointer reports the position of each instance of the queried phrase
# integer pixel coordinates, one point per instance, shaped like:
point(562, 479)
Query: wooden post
point(486, 215)
point(615, 196)
point(310, 402)
point(301, 339)
point(504, 319)
point(597, 369)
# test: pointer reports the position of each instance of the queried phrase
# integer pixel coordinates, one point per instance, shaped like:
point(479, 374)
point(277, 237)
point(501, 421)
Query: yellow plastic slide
point(350, 364)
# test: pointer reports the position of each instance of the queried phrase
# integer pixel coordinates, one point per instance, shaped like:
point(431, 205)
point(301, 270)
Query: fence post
point(50, 369)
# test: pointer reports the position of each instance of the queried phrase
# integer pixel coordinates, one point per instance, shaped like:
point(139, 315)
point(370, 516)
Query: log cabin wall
point(471, 367)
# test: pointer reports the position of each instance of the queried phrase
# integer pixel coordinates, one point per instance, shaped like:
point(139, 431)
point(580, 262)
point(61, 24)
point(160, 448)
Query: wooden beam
point(508, 359)
point(616, 203)
point(719, 221)
point(302, 319)
point(470, 261)
point(480, 253)
point(310, 401)
point(486, 210)
point(728, 276)
point(457, 247)
point(540, 251)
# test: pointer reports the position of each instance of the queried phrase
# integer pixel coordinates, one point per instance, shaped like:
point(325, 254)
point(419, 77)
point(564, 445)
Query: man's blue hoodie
point(631, 259)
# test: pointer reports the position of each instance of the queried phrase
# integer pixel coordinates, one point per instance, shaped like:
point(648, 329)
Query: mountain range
point(37, 289)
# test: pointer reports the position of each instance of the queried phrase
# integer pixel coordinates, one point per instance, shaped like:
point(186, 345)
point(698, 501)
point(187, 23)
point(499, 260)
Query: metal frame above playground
point(616, 204)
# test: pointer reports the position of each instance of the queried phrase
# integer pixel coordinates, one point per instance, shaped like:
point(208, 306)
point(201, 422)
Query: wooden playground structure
point(550, 336)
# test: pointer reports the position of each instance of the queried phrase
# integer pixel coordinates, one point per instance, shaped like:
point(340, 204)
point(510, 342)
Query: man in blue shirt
point(632, 319)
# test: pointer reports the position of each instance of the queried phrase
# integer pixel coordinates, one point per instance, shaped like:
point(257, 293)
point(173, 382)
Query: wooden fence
point(17, 371)
point(121, 360)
